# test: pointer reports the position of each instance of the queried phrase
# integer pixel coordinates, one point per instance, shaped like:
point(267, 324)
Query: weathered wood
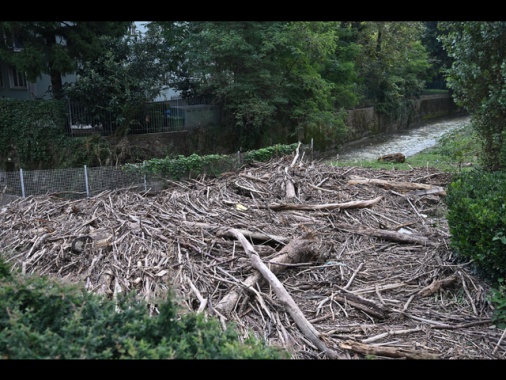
point(251, 234)
point(180, 239)
point(437, 285)
point(362, 304)
point(392, 157)
point(400, 185)
point(300, 320)
point(296, 251)
point(388, 235)
point(328, 206)
point(391, 352)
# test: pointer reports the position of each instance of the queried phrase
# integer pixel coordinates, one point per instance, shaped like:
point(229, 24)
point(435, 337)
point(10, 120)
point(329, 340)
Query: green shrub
point(44, 319)
point(32, 131)
point(498, 298)
point(477, 219)
point(213, 164)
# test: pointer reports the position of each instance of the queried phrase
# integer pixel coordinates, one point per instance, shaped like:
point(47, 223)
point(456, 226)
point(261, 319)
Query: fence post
point(312, 152)
point(22, 182)
point(86, 181)
point(145, 183)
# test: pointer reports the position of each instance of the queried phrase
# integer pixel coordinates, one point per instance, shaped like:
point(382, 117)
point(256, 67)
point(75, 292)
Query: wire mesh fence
point(74, 183)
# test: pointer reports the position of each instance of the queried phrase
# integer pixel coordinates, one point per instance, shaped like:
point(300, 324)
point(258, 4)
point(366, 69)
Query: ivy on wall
point(31, 132)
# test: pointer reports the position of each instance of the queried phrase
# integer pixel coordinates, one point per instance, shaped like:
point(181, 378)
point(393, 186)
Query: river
point(409, 141)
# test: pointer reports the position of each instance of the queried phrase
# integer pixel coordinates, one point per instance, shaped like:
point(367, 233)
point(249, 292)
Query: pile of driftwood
point(327, 262)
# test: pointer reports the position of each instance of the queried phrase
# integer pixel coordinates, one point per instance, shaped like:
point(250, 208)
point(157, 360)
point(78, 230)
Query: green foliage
point(477, 219)
point(394, 64)
point(498, 298)
point(213, 164)
point(271, 79)
point(32, 137)
point(438, 57)
point(477, 78)
point(45, 319)
point(460, 146)
point(183, 167)
point(265, 154)
point(55, 48)
point(32, 132)
point(129, 72)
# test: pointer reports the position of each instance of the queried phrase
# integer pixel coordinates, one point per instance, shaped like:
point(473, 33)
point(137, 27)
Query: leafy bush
point(498, 298)
point(461, 145)
point(31, 131)
point(477, 219)
point(213, 164)
point(44, 319)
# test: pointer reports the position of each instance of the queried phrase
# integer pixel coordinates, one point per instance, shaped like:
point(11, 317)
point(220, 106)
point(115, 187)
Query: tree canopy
point(274, 81)
point(477, 78)
point(129, 72)
point(55, 48)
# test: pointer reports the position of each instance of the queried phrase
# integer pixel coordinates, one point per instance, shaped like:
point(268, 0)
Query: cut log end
point(393, 157)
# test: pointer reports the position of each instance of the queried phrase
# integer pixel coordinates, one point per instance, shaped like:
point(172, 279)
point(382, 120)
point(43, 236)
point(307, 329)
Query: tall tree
point(129, 72)
point(438, 57)
point(55, 48)
point(268, 77)
point(478, 80)
point(394, 64)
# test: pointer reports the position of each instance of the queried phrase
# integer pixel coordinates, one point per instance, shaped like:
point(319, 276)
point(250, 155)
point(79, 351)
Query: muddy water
point(409, 142)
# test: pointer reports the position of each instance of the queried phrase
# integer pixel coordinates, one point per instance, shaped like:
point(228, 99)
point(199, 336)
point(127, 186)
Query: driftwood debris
point(294, 252)
point(293, 309)
point(392, 157)
point(437, 285)
point(326, 262)
point(392, 352)
point(418, 188)
point(389, 235)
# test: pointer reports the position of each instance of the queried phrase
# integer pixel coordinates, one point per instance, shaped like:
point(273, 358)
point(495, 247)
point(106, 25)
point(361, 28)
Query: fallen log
point(388, 235)
point(392, 157)
point(436, 285)
point(295, 251)
point(405, 186)
point(357, 302)
point(327, 206)
point(307, 328)
point(391, 352)
point(253, 235)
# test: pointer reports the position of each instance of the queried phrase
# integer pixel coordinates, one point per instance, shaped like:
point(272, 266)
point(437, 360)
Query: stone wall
point(366, 122)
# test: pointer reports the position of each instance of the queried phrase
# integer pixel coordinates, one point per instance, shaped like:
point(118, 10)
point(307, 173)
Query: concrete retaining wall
point(366, 122)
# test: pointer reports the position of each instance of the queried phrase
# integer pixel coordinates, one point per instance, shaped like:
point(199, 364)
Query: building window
point(18, 79)
point(12, 41)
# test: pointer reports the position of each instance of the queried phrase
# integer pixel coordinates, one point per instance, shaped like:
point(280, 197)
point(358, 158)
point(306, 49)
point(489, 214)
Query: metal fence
point(74, 183)
point(172, 115)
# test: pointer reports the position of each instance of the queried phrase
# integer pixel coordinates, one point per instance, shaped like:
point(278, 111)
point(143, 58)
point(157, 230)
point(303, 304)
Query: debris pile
point(327, 262)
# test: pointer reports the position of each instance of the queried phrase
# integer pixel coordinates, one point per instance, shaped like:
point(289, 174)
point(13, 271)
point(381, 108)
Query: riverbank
point(447, 139)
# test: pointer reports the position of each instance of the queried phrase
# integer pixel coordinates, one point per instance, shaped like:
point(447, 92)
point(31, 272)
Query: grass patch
point(456, 151)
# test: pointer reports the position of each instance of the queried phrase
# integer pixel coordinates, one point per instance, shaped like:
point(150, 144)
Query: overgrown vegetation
point(31, 133)
point(477, 78)
point(33, 136)
point(213, 164)
point(477, 219)
point(44, 319)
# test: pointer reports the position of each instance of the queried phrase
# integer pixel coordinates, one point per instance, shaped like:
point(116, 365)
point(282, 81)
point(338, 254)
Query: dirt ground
point(326, 262)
